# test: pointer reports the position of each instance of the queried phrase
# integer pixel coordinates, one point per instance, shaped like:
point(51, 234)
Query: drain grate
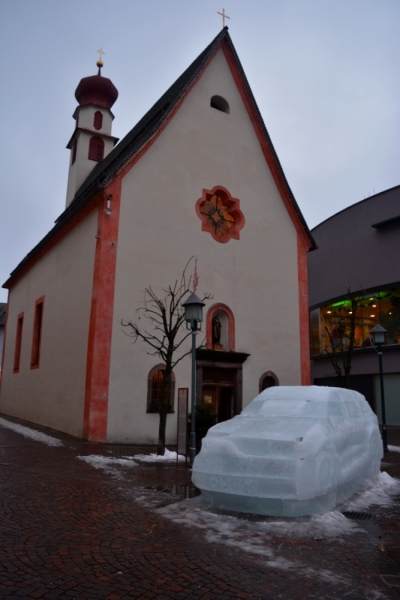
point(357, 516)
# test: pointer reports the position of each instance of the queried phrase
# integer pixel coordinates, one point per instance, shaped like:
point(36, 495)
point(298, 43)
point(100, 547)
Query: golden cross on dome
point(100, 53)
point(224, 16)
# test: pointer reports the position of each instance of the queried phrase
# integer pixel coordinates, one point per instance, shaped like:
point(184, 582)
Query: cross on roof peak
point(224, 16)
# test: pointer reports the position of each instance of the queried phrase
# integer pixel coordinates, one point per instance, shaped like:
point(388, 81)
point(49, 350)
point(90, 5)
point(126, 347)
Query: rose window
point(220, 214)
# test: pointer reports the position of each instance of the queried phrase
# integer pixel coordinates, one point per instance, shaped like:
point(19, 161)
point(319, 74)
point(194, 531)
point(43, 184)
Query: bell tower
point(91, 141)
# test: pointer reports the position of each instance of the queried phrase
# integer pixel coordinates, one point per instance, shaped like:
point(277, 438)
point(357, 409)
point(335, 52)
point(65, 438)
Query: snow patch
point(381, 493)
point(394, 448)
point(255, 537)
point(169, 455)
point(31, 433)
point(107, 464)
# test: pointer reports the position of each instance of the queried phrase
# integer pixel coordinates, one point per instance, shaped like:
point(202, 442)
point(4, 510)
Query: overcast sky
point(325, 75)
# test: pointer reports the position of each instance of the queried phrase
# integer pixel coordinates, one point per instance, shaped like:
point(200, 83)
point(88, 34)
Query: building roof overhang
point(90, 132)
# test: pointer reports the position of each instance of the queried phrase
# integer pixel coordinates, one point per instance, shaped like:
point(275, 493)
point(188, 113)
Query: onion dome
point(96, 90)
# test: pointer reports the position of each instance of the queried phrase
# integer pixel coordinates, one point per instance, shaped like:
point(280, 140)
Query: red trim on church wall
point(303, 312)
point(4, 336)
point(18, 342)
point(265, 147)
point(101, 318)
point(231, 325)
point(37, 333)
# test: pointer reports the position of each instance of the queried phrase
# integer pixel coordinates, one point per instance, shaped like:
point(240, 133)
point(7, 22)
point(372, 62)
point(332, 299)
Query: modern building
point(197, 176)
point(358, 258)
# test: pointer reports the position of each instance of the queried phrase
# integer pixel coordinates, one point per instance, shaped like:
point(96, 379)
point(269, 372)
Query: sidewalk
point(111, 529)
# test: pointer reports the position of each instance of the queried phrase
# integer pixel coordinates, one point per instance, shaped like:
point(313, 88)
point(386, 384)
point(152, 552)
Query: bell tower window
point(98, 120)
point(96, 149)
point(74, 152)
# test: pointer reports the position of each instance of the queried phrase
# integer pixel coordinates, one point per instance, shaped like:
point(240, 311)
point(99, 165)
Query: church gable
point(205, 160)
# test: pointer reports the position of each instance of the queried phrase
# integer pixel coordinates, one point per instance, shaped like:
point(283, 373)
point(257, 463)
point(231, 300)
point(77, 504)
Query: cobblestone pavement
point(72, 531)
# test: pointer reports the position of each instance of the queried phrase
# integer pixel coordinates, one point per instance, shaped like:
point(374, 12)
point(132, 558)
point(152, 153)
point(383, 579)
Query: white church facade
point(136, 212)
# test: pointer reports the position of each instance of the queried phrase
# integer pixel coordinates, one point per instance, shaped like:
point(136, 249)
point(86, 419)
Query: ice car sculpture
point(293, 451)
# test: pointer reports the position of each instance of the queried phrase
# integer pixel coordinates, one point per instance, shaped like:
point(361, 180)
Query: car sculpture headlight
point(293, 451)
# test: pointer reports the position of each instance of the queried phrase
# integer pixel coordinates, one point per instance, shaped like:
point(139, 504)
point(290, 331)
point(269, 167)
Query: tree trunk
point(164, 406)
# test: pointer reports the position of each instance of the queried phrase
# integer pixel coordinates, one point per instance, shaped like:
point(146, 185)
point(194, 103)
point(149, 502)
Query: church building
point(196, 176)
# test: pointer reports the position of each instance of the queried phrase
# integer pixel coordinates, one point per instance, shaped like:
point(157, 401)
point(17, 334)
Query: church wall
point(256, 276)
point(53, 394)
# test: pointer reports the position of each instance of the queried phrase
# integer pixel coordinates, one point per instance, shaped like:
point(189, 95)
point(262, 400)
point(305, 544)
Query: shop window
point(98, 120)
point(267, 380)
point(96, 149)
point(331, 324)
point(219, 103)
point(154, 389)
point(37, 333)
point(220, 328)
point(18, 342)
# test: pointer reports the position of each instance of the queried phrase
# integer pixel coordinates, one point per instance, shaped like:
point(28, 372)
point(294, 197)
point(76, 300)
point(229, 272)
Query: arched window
point(74, 147)
point(220, 326)
point(96, 149)
point(267, 380)
point(98, 120)
point(219, 103)
point(154, 389)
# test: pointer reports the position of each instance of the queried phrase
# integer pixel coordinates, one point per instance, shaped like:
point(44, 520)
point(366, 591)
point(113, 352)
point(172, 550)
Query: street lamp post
point(378, 333)
point(193, 316)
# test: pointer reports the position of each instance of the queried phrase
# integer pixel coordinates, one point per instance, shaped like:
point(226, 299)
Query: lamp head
point(378, 334)
point(193, 308)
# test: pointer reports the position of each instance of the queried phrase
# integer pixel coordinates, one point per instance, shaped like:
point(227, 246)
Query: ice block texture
point(293, 451)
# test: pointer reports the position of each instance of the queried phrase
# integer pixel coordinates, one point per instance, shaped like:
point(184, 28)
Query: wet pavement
point(69, 530)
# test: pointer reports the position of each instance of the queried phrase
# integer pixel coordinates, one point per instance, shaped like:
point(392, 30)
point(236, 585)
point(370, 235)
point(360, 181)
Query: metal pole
point(192, 443)
point(384, 431)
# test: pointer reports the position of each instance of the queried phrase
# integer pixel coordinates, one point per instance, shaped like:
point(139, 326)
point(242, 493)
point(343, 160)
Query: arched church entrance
point(219, 367)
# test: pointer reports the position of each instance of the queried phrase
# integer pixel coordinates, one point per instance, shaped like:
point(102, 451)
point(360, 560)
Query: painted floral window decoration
point(220, 214)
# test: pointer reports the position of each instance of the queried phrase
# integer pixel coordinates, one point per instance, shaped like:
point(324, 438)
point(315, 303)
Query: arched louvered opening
point(219, 103)
point(96, 149)
point(98, 120)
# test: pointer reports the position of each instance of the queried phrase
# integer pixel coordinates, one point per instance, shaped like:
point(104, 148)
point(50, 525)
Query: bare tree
point(165, 315)
point(340, 349)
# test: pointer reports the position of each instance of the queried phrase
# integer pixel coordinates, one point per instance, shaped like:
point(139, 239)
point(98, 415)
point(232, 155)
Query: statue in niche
point(216, 333)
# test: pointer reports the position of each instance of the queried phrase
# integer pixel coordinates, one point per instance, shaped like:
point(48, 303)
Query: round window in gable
point(219, 103)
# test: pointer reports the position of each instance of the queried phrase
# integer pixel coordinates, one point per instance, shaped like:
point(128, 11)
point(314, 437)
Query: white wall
point(53, 394)
point(255, 276)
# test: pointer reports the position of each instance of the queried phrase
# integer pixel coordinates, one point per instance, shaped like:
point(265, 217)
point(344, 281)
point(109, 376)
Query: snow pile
point(155, 457)
point(31, 433)
point(381, 493)
point(293, 451)
point(394, 448)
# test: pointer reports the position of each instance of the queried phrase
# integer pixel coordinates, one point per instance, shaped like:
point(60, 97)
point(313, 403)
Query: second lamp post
point(378, 333)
